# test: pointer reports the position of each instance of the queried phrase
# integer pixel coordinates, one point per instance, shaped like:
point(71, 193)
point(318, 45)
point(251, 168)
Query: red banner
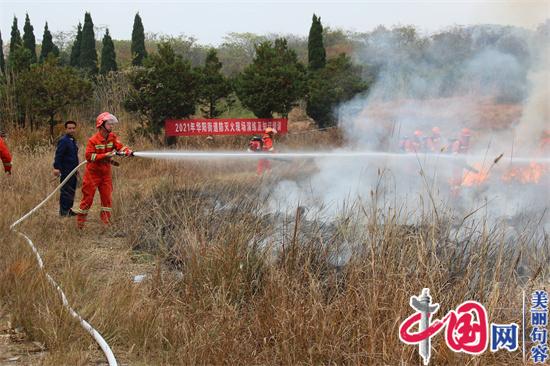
point(223, 126)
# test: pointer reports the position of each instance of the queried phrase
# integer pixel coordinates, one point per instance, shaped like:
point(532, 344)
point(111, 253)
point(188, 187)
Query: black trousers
point(66, 199)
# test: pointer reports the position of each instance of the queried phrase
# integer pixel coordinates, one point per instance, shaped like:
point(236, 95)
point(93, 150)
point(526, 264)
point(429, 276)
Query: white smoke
point(493, 80)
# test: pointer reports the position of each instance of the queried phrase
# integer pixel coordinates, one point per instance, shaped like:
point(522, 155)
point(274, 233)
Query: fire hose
point(94, 333)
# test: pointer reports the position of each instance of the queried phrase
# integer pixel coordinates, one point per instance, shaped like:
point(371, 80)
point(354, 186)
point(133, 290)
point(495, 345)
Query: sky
point(210, 21)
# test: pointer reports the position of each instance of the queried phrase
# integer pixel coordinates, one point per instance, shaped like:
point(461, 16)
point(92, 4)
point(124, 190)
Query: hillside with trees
point(266, 74)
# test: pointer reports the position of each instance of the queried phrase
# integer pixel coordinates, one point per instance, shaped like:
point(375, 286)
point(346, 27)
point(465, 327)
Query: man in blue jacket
point(66, 159)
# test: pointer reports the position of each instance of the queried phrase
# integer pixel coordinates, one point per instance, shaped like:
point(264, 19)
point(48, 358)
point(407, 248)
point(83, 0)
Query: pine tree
point(88, 53)
point(138, 42)
point(274, 82)
point(315, 49)
point(19, 57)
point(166, 88)
point(29, 41)
point(108, 56)
point(75, 51)
point(15, 40)
point(2, 62)
point(47, 45)
point(214, 86)
point(338, 82)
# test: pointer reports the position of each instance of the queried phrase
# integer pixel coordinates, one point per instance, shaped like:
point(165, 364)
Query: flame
point(470, 178)
point(525, 174)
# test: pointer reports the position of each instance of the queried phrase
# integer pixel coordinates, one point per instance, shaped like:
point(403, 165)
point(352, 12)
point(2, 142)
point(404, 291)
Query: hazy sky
point(209, 21)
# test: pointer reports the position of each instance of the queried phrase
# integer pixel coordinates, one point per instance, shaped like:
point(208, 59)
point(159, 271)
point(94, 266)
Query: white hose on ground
point(94, 333)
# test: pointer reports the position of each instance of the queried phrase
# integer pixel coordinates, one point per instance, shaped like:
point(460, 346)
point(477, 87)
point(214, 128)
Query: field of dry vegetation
point(228, 282)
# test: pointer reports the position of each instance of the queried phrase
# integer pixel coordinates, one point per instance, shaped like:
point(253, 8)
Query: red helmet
point(436, 131)
point(104, 117)
point(466, 132)
point(418, 133)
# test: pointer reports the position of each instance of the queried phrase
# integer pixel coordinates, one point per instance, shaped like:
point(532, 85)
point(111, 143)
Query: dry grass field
point(228, 282)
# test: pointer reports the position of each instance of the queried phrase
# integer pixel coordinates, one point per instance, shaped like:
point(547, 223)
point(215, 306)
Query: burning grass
point(229, 282)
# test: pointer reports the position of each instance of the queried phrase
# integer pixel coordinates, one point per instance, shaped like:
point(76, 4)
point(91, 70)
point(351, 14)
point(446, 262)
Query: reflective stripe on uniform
point(80, 211)
point(93, 157)
point(7, 164)
point(110, 144)
point(108, 209)
point(100, 146)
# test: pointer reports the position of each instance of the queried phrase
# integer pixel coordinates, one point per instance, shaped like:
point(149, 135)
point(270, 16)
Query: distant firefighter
point(462, 144)
point(418, 144)
point(434, 142)
point(459, 146)
point(264, 165)
point(405, 144)
point(255, 144)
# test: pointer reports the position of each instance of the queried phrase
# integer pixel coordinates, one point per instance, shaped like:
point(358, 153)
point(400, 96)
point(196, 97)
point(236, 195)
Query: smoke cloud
point(493, 80)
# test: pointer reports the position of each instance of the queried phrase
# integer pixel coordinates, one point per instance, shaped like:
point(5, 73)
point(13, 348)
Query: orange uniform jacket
point(98, 175)
point(5, 156)
point(97, 149)
point(267, 146)
point(267, 143)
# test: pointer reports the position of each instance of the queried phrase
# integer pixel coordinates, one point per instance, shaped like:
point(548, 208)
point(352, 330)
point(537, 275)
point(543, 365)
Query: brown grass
point(228, 284)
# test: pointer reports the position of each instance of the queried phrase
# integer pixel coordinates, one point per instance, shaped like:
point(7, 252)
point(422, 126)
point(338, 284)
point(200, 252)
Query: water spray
point(190, 155)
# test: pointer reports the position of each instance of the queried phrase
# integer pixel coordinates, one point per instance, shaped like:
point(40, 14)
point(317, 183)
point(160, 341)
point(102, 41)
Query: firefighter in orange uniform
point(5, 155)
point(459, 146)
point(433, 143)
point(267, 146)
point(462, 144)
point(417, 143)
point(100, 149)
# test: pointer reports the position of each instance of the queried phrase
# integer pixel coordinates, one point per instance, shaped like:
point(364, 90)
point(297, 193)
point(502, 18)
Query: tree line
point(166, 85)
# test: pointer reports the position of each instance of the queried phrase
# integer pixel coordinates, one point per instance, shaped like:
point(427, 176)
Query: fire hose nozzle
point(121, 153)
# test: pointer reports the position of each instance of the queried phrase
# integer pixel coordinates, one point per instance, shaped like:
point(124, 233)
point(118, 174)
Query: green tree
point(19, 60)
point(214, 86)
point(139, 53)
point(166, 87)
point(75, 50)
point(274, 82)
point(108, 56)
point(315, 48)
point(15, 40)
point(29, 41)
point(88, 53)
point(48, 47)
point(16, 59)
point(2, 61)
point(48, 89)
point(338, 82)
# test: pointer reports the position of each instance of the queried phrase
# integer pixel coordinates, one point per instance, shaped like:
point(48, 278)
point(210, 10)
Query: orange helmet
point(418, 133)
point(104, 117)
point(436, 131)
point(270, 130)
point(466, 132)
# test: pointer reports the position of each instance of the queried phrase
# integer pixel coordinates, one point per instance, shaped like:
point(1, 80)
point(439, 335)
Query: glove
point(129, 152)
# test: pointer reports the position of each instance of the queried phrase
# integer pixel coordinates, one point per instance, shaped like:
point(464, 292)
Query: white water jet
point(322, 154)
